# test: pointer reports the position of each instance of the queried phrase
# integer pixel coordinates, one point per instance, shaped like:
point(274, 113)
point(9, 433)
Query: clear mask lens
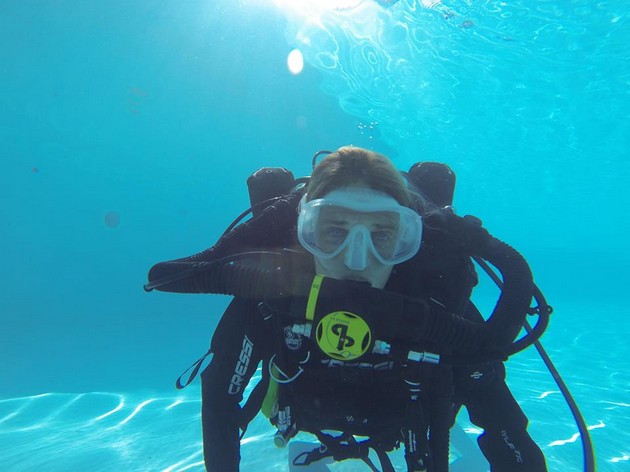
point(362, 222)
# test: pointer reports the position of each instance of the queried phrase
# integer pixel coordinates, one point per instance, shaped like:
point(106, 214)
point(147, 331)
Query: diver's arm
point(238, 345)
point(505, 443)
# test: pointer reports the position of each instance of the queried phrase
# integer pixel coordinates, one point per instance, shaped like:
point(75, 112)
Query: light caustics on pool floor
point(108, 431)
point(100, 431)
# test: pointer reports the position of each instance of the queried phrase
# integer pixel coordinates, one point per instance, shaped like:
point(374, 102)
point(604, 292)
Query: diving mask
point(362, 222)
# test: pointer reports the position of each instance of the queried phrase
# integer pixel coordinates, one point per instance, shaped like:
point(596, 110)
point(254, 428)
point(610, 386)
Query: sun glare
point(321, 5)
point(316, 8)
point(295, 61)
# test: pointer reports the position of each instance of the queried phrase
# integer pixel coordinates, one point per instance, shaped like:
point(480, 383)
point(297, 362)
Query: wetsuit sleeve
point(238, 344)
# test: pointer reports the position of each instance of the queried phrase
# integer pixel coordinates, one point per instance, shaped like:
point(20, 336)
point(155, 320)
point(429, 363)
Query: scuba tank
point(435, 180)
point(266, 185)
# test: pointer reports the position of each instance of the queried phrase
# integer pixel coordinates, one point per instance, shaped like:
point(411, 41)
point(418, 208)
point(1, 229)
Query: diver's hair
point(349, 166)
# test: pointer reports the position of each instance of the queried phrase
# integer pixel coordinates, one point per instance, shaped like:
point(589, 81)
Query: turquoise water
point(128, 129)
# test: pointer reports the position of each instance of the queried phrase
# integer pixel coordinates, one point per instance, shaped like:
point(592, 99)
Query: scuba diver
point(353, 292)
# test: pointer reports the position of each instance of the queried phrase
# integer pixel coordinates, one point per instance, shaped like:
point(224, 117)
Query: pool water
point(128, 130)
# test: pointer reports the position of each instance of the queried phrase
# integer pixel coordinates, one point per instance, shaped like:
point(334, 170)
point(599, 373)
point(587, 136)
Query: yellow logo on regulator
point(343, 335)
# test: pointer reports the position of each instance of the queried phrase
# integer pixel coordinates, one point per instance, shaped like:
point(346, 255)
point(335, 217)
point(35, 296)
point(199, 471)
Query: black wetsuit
point(372, 392)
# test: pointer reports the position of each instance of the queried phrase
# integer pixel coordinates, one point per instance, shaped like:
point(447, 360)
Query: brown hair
point(350, 166)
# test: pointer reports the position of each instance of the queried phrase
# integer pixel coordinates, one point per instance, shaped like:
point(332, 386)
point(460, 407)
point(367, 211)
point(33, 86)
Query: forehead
point(338, 215)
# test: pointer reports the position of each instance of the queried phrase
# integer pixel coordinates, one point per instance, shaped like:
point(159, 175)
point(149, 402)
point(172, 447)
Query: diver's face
point(335, 225)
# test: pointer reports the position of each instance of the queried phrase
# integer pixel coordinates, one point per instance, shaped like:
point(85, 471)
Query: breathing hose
point(434, 325)
point(187, 275)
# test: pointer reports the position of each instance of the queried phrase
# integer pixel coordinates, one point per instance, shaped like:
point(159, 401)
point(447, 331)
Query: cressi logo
point(236, 383)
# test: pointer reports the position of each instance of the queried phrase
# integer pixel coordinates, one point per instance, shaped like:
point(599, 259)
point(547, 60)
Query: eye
point(335, 233)
point(381, 237)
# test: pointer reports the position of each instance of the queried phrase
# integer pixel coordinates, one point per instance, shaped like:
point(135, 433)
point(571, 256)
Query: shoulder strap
point(195, 370)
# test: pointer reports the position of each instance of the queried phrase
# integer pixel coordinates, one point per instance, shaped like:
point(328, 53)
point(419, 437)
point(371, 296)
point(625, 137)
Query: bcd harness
point(348, 324)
